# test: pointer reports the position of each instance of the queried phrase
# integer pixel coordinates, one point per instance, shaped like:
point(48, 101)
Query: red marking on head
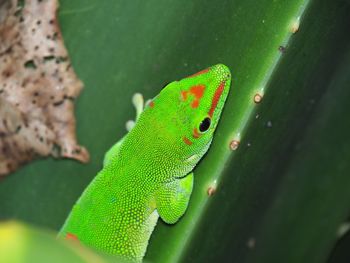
point(184, 95)
point(151, 104)
point(197, 91)
point(195, 103)
point(196, 134)
point(187, 141)
point(199, 73)
point(216, 98)
point(70, 236)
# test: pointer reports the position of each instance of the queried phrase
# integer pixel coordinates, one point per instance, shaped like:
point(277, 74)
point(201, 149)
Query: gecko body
point(148, 173)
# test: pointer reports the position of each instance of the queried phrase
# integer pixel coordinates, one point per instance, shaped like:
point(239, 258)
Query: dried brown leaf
point(38, 86)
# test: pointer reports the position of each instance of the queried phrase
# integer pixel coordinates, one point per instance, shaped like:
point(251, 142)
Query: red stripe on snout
point(216, 98)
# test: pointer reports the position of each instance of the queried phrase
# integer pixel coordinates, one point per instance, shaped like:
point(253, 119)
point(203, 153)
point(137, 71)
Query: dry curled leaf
point(38, 86)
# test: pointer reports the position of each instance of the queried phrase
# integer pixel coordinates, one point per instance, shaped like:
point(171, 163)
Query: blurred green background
point(282, 195)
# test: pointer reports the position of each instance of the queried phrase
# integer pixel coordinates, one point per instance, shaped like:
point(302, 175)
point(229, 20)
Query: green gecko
point(148, 173)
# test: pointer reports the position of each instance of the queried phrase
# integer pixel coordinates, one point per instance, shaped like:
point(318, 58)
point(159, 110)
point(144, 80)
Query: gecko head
point(197, 102)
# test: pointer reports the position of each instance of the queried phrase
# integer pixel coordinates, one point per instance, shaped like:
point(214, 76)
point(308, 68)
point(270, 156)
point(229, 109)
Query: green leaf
point(282, 194)
point(22, 244)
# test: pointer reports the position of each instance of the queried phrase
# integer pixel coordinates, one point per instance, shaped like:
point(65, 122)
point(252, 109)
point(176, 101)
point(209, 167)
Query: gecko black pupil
point(205, 124)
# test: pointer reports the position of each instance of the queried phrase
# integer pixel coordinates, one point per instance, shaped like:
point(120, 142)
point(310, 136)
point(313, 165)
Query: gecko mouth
point(192, 158)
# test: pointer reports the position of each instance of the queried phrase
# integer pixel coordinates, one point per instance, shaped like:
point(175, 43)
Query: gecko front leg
point(138, 102)
point(173, 197)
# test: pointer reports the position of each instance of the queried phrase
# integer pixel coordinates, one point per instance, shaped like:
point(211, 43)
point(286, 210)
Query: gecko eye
point(205, 124)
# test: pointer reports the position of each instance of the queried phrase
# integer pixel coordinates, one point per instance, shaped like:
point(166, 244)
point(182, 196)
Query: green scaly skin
point(147, 173)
